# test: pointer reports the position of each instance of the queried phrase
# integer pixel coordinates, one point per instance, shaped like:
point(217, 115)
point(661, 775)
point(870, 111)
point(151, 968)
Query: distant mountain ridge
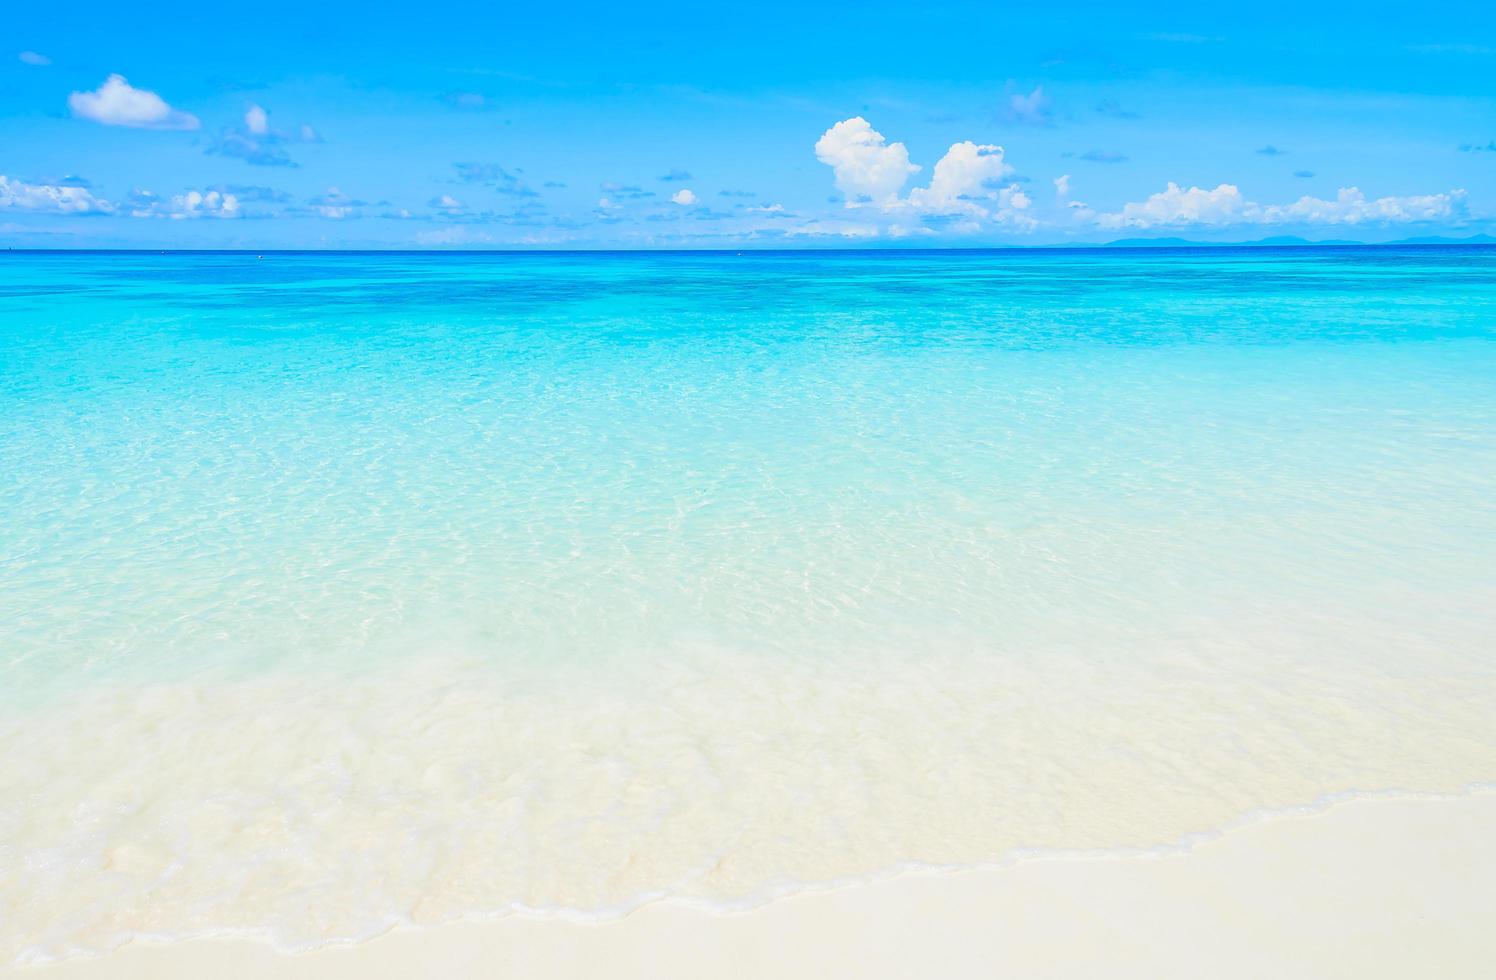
point(1289, 240)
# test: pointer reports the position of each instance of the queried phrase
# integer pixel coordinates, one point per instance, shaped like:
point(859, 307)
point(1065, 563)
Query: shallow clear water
point(345, 590)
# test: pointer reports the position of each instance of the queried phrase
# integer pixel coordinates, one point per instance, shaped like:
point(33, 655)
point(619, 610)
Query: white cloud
point(257, 120)
point(965, 182)
point(204, 204)
point(866, 165)
point(1351, 207)
point(446, 202)
point(683, 196)
point(1177, 206)
point(59, 199)
point(117, 103)
point(968, 171)
point(1225, 205)
point(190, 204)
point(1062, 185)
point(32, 58)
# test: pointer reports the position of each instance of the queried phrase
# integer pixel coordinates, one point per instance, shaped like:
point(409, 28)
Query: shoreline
point(1378, 884)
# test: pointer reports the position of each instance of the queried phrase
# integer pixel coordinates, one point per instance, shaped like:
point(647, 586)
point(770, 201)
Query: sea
point(346, 591)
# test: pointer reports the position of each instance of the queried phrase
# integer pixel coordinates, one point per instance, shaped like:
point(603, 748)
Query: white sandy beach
point(1369, 888)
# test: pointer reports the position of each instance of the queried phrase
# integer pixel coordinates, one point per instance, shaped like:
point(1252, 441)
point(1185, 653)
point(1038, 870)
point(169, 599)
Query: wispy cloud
point(1103, 156)
point(496, 177)
point(34, 59)
point(1031, 109)
point(255, 142)
point(255, 193)
point(616, 190)
point(1478, 147)
point(1182, 38)
point(1270, 151)
point(470, 101)
point(1475, 49)
point(1113, 109)
point(334, 205)
point(453, 235)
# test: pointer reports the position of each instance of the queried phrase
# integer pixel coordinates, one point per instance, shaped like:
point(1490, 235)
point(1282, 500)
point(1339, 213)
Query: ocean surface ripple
point(341, 591)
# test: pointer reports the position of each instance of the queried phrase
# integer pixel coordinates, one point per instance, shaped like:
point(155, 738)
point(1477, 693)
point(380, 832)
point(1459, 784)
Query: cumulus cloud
point(865, 164)
point(204, 204)
point(1226, 205)
point(445, 202)
point(683, 196)
point(1062, 185)
point(1177, 206)
point(189, 204)
point(118, 103)
point(35, 59)
point(967, 182)
point(66, 197)
point(1351, 207)
point(968, 171)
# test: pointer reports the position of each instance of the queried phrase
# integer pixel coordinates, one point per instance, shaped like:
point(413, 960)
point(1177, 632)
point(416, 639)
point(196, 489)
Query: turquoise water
point(338, 591)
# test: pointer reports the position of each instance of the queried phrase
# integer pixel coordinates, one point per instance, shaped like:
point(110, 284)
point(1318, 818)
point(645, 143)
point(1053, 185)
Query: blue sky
point(766, 124)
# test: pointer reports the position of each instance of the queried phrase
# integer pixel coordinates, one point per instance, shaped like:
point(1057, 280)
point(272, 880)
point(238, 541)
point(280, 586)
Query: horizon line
point(1120, 246)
